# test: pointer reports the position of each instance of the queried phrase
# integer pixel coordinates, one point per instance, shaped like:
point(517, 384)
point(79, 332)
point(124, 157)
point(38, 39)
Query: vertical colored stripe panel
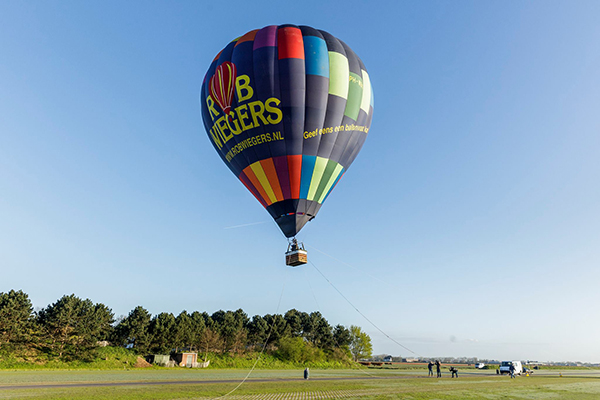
point(248, 37)
point(331, 165)
point(290, 43)
point(271, 173)
point(337, 173)
point(308, 167)
point(334, 184)
point(316, 56)
point(244, 179)
point(320, 165)
point(355, 95)
point(338, 74)
point(292, 85)
point(295, 171)
point(256, 183)
point(281, 167)
point(366, 97)
point(267, 36)
point(262, 178)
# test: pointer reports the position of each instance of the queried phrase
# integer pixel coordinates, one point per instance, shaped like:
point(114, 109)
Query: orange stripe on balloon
point(248, 37)
point(271, 173)
point(244, 179)
point(295, 171)
point(250, 174)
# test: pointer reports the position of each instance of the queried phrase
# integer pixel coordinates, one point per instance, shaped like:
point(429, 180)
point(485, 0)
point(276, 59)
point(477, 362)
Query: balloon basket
point(296, 254)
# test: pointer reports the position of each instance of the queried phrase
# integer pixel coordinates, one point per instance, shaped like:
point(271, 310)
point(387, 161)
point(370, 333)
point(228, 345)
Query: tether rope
point(263, 347)
point(351, 266)
point(333, 336)
point(361, 314)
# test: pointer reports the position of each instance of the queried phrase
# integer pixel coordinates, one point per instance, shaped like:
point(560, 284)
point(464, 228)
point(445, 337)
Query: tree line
point(72, 328)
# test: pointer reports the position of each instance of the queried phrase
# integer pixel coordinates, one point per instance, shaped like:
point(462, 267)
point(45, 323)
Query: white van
point(505, 367)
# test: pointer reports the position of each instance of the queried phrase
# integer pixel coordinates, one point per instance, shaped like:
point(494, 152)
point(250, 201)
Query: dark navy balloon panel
point(287, 108)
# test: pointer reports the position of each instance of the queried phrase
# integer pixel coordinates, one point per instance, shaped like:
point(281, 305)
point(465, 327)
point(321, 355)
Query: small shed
point(159, 359)
point(186, 359)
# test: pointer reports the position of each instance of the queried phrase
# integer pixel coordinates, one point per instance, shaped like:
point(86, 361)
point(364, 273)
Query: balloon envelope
point(287, 108)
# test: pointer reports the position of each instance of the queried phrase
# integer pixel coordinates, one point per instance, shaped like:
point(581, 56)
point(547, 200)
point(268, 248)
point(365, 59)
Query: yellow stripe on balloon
point(264, 182)
point(320, 165)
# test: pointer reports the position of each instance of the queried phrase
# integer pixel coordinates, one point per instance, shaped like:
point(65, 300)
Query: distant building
point(186, 359)
point(163, 360)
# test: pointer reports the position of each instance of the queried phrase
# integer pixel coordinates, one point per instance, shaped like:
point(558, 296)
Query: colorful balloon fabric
point(287, 108)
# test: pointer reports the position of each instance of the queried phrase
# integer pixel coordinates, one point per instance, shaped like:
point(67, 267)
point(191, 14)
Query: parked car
point(505, 367)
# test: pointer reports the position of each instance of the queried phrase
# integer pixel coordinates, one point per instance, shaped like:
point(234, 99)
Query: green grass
point(268, 361)
point(382, 384)
point(103, 358)
point(117, 358)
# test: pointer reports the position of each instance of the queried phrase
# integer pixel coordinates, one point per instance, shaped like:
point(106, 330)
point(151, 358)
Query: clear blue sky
point(475, 233)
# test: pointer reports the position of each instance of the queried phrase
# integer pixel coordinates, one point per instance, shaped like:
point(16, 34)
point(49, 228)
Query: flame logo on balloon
point(222, 84)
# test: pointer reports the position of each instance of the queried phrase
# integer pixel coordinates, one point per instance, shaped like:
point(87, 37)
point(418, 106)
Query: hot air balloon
point(287, 108)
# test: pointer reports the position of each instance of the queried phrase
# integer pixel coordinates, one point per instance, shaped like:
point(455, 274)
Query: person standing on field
point(438, 368)
point(512, 370)
point(454, 371)
point(430, 367)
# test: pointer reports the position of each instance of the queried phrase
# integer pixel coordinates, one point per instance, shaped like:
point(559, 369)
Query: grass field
point(288, 384)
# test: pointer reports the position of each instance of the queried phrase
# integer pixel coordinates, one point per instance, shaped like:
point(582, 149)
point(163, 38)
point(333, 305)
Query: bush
point(297, 350)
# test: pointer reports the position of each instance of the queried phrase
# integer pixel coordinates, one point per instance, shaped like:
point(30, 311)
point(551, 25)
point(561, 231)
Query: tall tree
point(97, 323)
point(240, 335)
point(198, 328)
point(162, 330)
point(133, 330)
point(323, 335)
point(232, 328)
point(184, 332)
point(74, 326)
point(317, 330)
point(211, 341)
point(276, 327)
point(258, 329)
point(341, 336)
point(360, 344)
point(293, 319)
point(211, 338)
point(16, 318)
